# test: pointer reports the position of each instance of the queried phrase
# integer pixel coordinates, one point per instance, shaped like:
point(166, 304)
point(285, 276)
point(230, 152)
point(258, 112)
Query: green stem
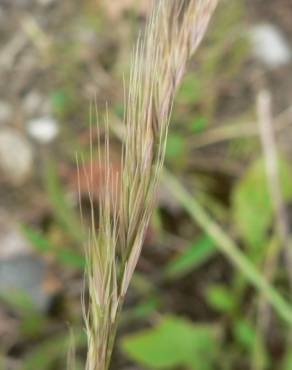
point(227, 246)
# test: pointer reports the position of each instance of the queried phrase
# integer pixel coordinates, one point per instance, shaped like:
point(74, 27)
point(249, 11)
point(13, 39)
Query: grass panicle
point(172, 35)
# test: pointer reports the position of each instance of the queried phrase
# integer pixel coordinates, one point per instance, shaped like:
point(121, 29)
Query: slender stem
point(268, 140)
point(224, 133)
point(264, 103)
point(227, 246)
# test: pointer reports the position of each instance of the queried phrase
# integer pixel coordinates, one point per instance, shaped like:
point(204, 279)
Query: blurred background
point(188, 306)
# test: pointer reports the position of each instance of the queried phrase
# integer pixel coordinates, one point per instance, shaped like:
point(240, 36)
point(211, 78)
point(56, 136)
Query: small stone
point(5, 113)
point(43, 129)
point(16, 157)
point(269, 46)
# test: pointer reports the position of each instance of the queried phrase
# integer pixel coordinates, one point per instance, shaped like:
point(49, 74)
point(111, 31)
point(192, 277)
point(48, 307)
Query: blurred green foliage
point(252, 206)
point(174, 342)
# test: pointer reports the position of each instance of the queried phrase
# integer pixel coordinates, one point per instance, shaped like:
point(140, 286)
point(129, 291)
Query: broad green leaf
point(173, 342)
point(191, 258)
point(252, 205)
point(221, 298)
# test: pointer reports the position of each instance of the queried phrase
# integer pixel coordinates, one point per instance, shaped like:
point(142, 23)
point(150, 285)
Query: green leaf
point(191, 258)
point(173, 342)
point(221, 298)
point(251, 203)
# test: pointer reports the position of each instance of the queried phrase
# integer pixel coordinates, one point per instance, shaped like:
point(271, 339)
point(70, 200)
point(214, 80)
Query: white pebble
point(43, 129)
point(269, 46)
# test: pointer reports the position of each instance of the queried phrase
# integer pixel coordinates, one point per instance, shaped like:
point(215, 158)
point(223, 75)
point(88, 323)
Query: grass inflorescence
point(172, 35)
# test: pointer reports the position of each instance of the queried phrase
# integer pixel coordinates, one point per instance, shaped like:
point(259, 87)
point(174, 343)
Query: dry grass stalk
point(171, 37)
point(267, 135)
